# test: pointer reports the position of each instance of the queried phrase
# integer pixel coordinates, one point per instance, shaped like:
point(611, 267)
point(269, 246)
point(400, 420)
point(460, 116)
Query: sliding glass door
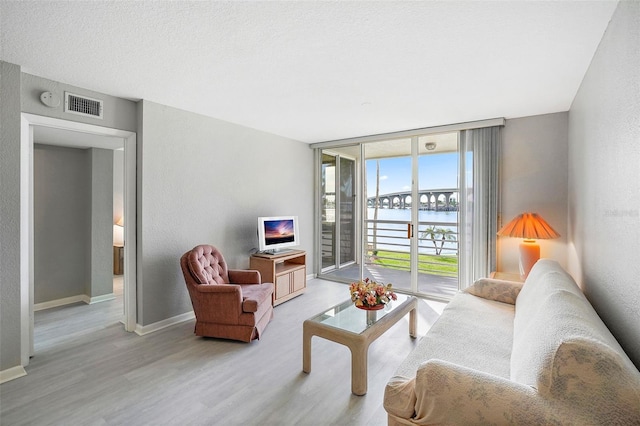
point(338, 210)
point(409, 222)
point(416, 209)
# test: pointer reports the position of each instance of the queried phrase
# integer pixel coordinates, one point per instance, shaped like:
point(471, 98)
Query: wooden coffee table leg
point(359, 352)
point(413, 323)
point(306, 349)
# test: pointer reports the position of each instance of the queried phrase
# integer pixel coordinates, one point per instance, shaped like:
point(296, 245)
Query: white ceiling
point(315, 71)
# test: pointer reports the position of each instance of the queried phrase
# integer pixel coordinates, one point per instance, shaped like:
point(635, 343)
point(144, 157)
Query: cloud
point(384, 177)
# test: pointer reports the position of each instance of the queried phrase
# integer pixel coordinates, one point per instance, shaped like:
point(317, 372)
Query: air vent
point(81, 105)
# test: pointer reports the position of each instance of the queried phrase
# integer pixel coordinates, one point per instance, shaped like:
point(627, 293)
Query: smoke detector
point(50, 99)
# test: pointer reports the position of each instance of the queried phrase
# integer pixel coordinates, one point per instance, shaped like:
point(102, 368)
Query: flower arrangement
point(369, 294)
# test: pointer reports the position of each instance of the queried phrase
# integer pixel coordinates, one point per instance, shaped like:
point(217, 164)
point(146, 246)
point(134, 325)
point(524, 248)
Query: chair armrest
point(448, 393)
point(244, 276)
point(220, 303)
point(498, 290)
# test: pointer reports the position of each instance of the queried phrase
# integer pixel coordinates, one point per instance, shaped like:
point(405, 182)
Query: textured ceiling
point(316, 71)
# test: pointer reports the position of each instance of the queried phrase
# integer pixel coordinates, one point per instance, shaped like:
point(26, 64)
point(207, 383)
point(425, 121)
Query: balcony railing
point(388, 246)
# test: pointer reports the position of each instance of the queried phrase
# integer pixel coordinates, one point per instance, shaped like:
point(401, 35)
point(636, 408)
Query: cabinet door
point(283, 285)
point(299, 278)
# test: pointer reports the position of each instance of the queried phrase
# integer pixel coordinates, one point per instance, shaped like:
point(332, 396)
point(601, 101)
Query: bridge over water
point(429, 199)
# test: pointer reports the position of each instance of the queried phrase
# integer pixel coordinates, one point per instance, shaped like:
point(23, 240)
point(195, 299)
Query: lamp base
point(529, 255)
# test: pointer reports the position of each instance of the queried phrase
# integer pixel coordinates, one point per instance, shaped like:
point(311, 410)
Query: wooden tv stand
point(287, 271)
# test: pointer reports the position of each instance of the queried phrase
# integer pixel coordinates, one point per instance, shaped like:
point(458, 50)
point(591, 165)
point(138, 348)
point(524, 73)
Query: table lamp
point(531, 227)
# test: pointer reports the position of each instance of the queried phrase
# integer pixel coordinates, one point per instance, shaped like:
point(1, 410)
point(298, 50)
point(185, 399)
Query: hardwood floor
point(89, 371)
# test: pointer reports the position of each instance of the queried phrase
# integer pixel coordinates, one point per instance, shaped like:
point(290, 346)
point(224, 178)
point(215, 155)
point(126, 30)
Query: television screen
point(276, 233)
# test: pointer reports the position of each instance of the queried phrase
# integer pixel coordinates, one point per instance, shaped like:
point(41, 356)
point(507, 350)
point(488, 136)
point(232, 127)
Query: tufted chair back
point(207, 265)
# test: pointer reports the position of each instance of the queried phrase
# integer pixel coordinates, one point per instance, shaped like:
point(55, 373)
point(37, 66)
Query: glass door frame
point(338, 262)
point(413, 222)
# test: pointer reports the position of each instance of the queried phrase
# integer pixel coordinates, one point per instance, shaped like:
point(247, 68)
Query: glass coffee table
point(356, 329)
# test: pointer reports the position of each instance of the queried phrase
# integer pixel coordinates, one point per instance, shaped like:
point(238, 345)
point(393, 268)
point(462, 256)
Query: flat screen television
point(276, 234)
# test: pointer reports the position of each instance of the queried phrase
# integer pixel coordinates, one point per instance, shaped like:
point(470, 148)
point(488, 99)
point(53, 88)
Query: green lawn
point(431, 264)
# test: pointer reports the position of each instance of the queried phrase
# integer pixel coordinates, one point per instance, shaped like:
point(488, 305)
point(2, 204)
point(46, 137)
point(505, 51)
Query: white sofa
point(512, 353)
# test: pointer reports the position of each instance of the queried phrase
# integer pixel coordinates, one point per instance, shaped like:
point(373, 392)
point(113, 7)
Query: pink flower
point(371, 299)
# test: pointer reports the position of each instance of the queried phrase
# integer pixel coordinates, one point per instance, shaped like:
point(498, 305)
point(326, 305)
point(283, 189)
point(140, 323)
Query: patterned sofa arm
point(448, 393)
point(498, 290)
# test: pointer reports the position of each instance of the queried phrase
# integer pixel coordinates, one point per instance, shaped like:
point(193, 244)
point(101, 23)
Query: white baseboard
point(12, 373)
point(98, 299)
point(146, 329)
point(60, 302)
point(73, 299)
point(311, 276)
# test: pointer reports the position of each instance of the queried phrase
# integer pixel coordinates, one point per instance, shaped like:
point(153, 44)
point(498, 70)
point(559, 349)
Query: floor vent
point(81, 105)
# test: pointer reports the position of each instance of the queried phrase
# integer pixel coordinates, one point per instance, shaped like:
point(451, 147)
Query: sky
point(435, 171)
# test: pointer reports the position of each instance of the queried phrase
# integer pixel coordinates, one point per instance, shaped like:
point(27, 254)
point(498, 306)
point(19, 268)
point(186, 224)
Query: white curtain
point(479, 165)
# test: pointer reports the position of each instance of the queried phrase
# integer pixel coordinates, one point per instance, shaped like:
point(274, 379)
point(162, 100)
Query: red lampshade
point(529, 226)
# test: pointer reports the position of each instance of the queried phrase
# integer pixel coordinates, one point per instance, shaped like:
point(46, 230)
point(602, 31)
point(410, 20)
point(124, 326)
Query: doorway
point(29, 124)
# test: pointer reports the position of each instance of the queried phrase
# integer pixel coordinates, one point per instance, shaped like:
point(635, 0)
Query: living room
point(578, 166)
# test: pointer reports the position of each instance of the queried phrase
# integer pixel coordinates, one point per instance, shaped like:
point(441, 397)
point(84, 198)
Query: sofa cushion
point(254, 295)
point(467, 321)
point(498, 290)
point(472, 332)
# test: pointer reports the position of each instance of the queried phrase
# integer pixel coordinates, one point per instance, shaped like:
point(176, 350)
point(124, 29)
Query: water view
point(392, 230)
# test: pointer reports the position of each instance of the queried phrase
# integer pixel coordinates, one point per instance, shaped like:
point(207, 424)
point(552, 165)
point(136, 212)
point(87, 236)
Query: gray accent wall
point(533, 178)
point(206, 181)
point(117, 113)
point(100, 274)
point(10, 257)
point(604, 179)
point(61, 222)
point(73, 227)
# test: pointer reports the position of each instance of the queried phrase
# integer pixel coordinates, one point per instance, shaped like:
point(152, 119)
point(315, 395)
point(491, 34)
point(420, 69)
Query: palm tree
point(438, 237)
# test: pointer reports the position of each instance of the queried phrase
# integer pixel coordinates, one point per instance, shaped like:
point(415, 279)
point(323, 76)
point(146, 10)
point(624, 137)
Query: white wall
point(604, 179)
point(206, 181)
point(533, 178)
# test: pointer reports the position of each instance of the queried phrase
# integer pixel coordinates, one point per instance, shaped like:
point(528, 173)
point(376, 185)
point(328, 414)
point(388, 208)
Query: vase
point(371, 308)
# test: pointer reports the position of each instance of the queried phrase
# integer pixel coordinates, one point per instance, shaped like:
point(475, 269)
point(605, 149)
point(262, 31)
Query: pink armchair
point(228, 303)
